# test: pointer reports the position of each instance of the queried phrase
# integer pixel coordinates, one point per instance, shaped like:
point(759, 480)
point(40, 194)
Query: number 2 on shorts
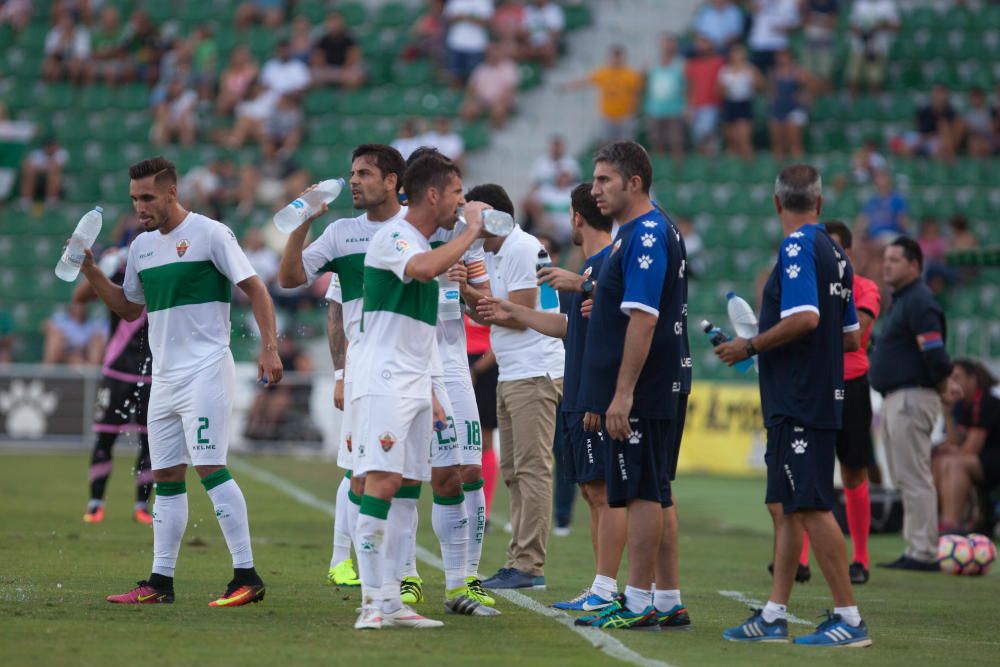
point(204, 426)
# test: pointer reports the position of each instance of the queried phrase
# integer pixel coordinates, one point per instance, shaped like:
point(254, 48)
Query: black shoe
point(859, 574)
point(907, 563)
point(802, 572)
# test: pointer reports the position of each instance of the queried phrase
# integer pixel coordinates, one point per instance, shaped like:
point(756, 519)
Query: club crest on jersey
point(614, 248)
point(387, 440)
point(588, 271)
point(182, 247)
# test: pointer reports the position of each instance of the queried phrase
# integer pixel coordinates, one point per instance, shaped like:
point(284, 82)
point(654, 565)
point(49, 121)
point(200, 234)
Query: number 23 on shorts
point(202, 436)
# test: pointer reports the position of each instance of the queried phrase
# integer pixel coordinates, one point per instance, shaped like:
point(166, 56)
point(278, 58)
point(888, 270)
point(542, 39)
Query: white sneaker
point(404, 617)
point(370, 618)
point(561, 531)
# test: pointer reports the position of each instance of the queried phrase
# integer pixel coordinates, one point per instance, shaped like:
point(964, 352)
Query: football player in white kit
point(376, 175)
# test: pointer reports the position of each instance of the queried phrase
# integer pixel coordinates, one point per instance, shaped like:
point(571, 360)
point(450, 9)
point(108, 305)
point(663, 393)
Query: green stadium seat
point(353, 13)
point(577, 16)
point(395, 15)
point(95, 97)
point(132, 96)
point(476, 136)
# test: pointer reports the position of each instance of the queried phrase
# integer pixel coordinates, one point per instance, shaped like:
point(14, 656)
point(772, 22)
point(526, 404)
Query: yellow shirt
point(620, 88)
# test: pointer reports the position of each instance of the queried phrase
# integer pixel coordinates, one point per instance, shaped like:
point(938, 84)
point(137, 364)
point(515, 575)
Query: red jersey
point(868, 299)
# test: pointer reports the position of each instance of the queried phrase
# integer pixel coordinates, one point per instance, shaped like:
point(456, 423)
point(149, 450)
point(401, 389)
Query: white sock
point(606, 587)
point(341, 531)
point(170, 517)
point(475, 507)
point(666, 600)
point(408, 552)
point(451, 525)
point(851, 615)
point(637, 599)
point(231, 511)
point(773, 611)
point(398, 538)
point(372, 524)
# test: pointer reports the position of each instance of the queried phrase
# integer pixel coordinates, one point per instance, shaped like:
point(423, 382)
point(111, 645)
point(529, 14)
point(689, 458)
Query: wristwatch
point(587, 288)
point(751, 350)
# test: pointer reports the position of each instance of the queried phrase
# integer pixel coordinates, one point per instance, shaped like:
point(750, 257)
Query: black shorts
point(800, 467)
point(583, 452)
point(639, 468)
point(855, 448)
point(989, 459)
point(676, 436)
point(733, 111)
point(486, 393)
point(119, 403)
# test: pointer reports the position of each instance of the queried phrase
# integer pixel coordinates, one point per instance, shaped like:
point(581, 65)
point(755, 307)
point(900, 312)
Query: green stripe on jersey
point(184, 284)
point(351, 271)
point(436, 244)
point(384, 292)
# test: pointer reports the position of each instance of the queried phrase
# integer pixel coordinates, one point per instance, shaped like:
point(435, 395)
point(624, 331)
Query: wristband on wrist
point(751, 350)
point(338, 374)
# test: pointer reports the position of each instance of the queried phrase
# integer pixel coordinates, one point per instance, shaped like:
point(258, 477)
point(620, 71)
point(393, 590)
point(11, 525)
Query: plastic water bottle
point(544, 261)
point(449, 301)
point(298, 211)
point(495, 222)
point(86, 232)
point(717, 337)
point(741, 316)
point(547, 297)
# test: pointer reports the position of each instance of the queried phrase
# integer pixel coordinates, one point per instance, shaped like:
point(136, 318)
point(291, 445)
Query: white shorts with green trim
point(461, 442)
point(189, 422)
point(345, 457)
point(392, 434)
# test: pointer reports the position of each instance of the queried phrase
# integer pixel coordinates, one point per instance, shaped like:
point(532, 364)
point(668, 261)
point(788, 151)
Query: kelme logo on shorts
point(182, 247)
point(387, 440)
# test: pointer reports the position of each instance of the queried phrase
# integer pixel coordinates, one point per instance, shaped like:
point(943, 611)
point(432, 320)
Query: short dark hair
point(584, 204)
point(386, 158)
point(422, 151)
point(841, 231)
point(798, 188)
point(159, 167)
point(629, 159)
point(985, 380)
point(492, 194)
point(427, 172)
point(911, 250)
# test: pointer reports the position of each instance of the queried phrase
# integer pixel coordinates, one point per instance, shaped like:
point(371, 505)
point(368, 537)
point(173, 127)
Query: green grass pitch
point(55, 572)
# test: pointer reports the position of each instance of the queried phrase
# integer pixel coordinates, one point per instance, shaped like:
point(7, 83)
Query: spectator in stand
point(282, 74)
point(66, 50)
point(938, 127)
point(204, 60)
point(72, 337)
point(721, 22)
point(467, 37)
point(143, 45)
point(107, 60)
point(208, 188)
point(704, 98)
point(772, 23)
point(978, 126)
point(262, 258)
point(300, 39)
point(872, 24)
point(542, 29)
point(236, 80)
point(407, 138)
point(789, 85)
point(508, 19)
point(961, 237)
point(175, 117)
point(492, 88)
point(970, 459)
point(933, 244)
point(15, 13)
point(41, 173)
point(428, 35)
point(337, 58)
point(886, 215)
point(619, 88)
point(271, 13)
point(8, 340)
point(548, 205)
point(820, 31)
point(546, 167)
point(448, 142)
point(284, 127)
point(666, 98)
point(272, 181)
point(866, 162)
point(738, 79)
point(252, 115)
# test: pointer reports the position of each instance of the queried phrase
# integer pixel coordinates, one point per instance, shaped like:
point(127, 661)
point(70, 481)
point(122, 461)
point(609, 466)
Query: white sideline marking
point(753, 602)
point(597, 638)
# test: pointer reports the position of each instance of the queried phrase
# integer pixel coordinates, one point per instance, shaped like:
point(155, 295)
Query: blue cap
point(730, 295)
point(99, 209)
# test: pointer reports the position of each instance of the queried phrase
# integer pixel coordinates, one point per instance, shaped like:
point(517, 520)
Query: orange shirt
point(867, 298)
point(620, 89)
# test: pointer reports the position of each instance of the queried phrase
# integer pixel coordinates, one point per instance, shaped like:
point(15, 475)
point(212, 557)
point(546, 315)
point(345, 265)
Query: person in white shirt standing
point(773, 22)
point(181, 272)
point(528, 394)
point(467, 37)
point(873, 23)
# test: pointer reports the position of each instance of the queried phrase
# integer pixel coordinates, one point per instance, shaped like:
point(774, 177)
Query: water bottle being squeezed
point(300, 210)
point(86, 232)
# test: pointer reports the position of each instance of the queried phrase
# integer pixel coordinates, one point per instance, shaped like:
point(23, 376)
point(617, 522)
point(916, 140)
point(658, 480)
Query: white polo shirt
point(523, 354)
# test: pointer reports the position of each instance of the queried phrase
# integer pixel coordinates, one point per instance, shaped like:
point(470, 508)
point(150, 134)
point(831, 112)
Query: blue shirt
point(884, 214)
point(802, 382)
point(645, 270)
point(720, 25)
point(576, 333)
